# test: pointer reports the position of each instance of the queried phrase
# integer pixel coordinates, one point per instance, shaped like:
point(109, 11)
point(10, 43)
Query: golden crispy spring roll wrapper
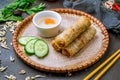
point(67, 36)
point(79, 42)
point(56, 47)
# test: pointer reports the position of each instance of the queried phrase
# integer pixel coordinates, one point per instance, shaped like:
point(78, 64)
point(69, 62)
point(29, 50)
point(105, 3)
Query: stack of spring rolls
point(72, 40)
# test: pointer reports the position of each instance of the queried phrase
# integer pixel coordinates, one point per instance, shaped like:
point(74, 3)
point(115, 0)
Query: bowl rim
point(49, 12)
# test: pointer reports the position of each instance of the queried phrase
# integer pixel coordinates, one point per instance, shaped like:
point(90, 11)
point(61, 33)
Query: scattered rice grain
point(3, 39)
point(11, 43)
point(27, 78)
point(69, 74)
point(4, 28)
point(2, 33)
point(3, 68)
point(11, 25)
point(22, 72)
point(12, 59)
point(37, 76)
point(11, 77)
point(4, 45)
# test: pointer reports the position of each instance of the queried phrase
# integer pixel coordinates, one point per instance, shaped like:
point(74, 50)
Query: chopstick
point(107, 67)
point(102, 65)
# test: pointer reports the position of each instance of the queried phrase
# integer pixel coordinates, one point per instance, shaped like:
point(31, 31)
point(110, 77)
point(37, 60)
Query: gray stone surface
point(15, 67)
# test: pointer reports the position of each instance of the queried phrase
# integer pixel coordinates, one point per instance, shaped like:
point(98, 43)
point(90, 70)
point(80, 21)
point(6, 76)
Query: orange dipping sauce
point(49, 21)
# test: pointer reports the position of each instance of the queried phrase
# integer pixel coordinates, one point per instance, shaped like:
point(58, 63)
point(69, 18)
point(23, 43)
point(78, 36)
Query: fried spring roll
point(67, 36)
point(56, 47)
point(79, 42)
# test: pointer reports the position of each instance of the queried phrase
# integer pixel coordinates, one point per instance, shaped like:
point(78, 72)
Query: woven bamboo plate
point(54, 61)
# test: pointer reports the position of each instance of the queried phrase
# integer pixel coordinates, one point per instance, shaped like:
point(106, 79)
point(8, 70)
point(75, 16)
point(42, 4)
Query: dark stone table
point(15, 67)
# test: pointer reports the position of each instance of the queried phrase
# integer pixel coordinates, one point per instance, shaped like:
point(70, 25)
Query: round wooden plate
point(54, 61)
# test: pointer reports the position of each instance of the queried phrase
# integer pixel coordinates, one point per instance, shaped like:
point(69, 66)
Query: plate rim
point(70, 68)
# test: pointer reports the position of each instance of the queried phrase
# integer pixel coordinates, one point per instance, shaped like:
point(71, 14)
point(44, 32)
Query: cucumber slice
point(24, 39)
point(29, 47)
point(41, 48)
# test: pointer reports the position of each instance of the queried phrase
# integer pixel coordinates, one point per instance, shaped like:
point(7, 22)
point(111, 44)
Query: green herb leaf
point(14, 18)
point(35, 9)
point(7, 13)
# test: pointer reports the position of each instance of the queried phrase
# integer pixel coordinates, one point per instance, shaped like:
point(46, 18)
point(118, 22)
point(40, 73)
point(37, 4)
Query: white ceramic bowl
point(50, 30)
